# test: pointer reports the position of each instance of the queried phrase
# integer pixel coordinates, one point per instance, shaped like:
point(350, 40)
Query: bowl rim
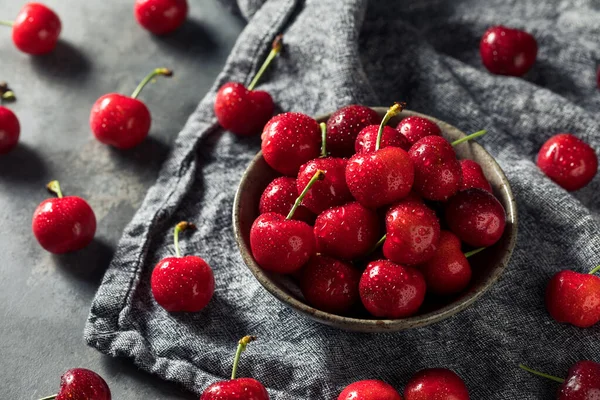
point(375, 324)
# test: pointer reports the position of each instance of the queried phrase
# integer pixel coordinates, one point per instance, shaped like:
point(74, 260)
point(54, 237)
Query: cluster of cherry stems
point(394, 171)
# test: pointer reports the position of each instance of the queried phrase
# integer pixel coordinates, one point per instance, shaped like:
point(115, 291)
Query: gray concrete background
point(44, 299)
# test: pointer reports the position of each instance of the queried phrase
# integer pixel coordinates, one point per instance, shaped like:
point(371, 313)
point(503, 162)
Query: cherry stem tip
point(157, 72)
point(275, 49)
point(182, 226)
point(394, 110)
point(49, 397)
point(242, 344)
point(543, 375)
point(318, 176)
point(54, 188)
point(469, 137)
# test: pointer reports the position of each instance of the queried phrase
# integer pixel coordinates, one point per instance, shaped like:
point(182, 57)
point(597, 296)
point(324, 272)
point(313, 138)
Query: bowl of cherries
point(374, 219)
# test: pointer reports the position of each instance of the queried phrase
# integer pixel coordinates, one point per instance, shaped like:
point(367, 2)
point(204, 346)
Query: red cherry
point(36, 29)
point(506, 51)
point(582, 381)
point(574, 298)
point(568, 161)
point(290, 140)
point(279, 197)
point(413, 233)
point(81, 384)
point(182, 283)
point(416, 128)
point(344, 125)
point(448, 271)
point(366, 140)
point(160, 16)
point(476, 217)
point(330, 285)
point(237, 389)
point(598, 78)
point(63, 224)
point(473, 176)
point(121, 121)
point(346, 232)
point(9, 130)
point(371, 389)
point(436, 383)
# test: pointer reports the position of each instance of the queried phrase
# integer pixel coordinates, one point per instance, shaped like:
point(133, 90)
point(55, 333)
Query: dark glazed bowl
point(487, 265)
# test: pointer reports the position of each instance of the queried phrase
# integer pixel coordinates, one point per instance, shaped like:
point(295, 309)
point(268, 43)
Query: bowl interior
point(487, 266)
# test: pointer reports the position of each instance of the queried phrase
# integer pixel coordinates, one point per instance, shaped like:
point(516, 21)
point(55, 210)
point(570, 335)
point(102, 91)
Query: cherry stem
point(54, 187)
point(49, 397)
point(473, 252)
point(379, 243)
point(182, 226)
point(323, 126)
point(319, 175)
point(6, 93)
point(6, 23)
point(391, 112)
point(158, 71)
point(538, 373)
point(469, 137)
point(242, 344)
point(592, 272)
point(276, 49)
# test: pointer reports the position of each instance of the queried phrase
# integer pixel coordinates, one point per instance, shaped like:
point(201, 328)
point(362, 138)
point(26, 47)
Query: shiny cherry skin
point(242, 111)
point(506, 51)
point(329, 192)
point(476, 217)
point(390, 290)
point(281, 245)
point(413, 233)
point(279, 197)
point(290, 140)
point(182, 283)
point(582, 382)
point(330, 285)
point(437, 171)
point(120, 121)
point(344, 125)
point(381, 177)
point(574, 298)
point(367, 139)
point(236, 389)
point(82, 384)
point(436, 384)
point(370, 389)
point(36, 29)
point(346, 232)
point(416, 128)
point(160, 16)
point(10, 130)
point(568, 161)
point(473, 176)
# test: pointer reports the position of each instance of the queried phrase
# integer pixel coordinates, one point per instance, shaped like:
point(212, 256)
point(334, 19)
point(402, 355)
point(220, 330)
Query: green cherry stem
point(538, 373)
point(49, 397)
point(379, 243)
point(182, 226)
point(6, 93)
point(6, 23)
point(148, 78)
point(54, 187)
point(469, 137)
point(276, 49)
point(323, 126)
point(592, 272)
point(391, 112)
point(242, 344)
point(473, 252)
point(319, 175)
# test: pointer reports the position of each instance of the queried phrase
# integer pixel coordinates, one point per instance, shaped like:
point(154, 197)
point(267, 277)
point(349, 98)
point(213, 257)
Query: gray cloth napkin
point(339, 52)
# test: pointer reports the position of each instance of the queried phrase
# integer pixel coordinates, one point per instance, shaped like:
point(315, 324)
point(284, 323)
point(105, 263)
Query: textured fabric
point(339, 52)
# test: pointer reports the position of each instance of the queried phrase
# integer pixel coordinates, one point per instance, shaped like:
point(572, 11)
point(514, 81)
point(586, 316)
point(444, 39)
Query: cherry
point(416, 128)
point(122, 121)
point(383, 176)
point(568, 161)
point(290, 140)
point(237, 388)
point(436, 384)
point(63, 224)
point(182, 283)
point(245, 111)
point(81, 384)
point(473, 176)
point(36, 29)
point(330, 285)
point(344, 125)
point(366, 140)
point(413, 232)
point(582, 381)
point(574, 298)
point(476, 217)
point(160, 16)
point(346, 232)
point(370, 389)
point(280, 244)
point(391, 290)
point(598, 77)
point(279, 197)
point(10, 129)
point(506, 51)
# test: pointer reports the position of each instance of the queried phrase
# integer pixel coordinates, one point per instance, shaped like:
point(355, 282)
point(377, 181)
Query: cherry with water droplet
point(582, 383)
point(279, 197)
point(416, 128)
point(370, 389)
point(436, 384)
point(81, 384)
point(344, 125)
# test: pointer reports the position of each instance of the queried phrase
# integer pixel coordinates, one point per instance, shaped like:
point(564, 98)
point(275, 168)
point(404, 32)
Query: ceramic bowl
point(487, 265)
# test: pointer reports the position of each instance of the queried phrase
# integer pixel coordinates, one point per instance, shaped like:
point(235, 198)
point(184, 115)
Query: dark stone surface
point(44, 299)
